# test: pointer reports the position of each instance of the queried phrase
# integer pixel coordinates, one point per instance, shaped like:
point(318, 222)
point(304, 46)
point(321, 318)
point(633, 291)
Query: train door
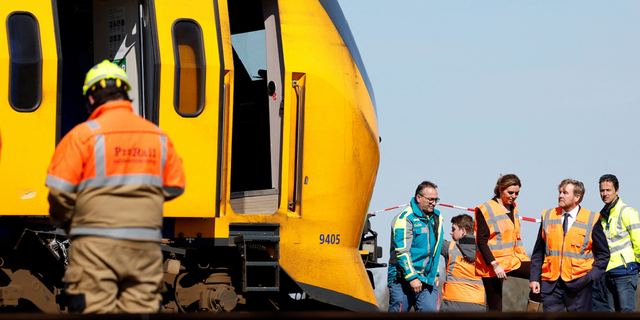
point(92, 31)
point(190, 97)
point(117, 38)
point(29, 86)
point(256, 139)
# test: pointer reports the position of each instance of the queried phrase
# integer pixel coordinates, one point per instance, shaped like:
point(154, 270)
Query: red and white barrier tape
point(456, 207)
point(450, 206)
point(387, 209)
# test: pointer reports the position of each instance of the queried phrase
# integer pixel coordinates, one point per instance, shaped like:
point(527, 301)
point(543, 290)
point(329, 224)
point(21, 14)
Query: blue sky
point(469, 90)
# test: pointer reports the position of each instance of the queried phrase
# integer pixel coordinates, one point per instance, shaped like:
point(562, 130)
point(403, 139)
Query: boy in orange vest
point(463, 290)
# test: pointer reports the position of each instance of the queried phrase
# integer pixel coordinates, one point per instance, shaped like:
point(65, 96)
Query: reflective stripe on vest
point(461, 283)
point(93, 125)
point(568, 256)
point(64, 185)
point(119, 233)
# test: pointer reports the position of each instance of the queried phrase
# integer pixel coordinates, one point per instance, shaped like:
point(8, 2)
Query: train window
point(25, 62)
point(251, 50)
point(189, 73)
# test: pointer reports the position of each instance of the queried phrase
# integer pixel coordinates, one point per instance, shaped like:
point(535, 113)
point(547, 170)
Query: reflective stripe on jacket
point(568, 256)
point(415, 251)
point(623, 235)
point(462, 284)
point(504, 239)
point(109, 176)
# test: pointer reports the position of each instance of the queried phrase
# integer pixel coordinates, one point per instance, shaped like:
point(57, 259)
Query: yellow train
point(267, 102)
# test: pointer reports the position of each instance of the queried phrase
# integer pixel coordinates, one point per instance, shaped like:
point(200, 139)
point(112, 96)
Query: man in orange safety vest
point(570, 254)
point(108, 180)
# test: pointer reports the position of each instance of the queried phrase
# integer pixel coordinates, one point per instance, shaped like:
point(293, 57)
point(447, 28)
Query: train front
point(340, 158)
point(299, 163)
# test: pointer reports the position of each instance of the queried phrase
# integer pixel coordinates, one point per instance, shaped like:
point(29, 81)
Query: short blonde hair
point(578, 187)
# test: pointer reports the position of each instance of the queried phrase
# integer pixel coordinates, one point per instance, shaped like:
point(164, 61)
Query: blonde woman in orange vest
point(571, 253)
point(500, 253)
point(463, 290)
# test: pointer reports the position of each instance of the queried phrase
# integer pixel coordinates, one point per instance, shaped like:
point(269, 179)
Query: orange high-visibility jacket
point(109, 176)
point(462, 284)
point(570, 255)
point(504, 239)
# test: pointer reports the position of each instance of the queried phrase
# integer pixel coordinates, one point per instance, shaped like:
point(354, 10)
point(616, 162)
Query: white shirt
point(572, 216)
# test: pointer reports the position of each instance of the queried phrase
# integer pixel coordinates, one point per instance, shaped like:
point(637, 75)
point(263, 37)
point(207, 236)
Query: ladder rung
point(257, 238)
point(261, 263)
point(263, 289)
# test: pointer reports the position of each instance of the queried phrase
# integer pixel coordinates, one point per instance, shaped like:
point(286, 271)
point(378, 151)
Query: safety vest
point(115, 156)
point(117, 151)
point(461, 283)
point(623, 222)
point(504, 239)
point(568, 256)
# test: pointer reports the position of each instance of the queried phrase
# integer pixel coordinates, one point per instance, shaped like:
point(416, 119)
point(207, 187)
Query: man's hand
point(416, 285)
point(437, 281)
point(534, 286)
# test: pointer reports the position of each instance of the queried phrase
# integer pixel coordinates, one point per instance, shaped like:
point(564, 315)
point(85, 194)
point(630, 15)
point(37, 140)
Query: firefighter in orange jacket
point(108, 180)
point(570, 254)
point(463, 290)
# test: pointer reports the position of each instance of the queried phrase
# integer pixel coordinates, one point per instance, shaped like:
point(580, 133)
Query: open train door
point(29, 80)
point(190, 97)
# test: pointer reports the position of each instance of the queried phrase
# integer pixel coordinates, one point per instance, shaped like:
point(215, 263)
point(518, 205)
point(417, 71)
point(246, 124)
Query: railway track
point(331, 316)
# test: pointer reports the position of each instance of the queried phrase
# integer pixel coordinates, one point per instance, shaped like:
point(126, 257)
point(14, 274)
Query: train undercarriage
point(198, 276)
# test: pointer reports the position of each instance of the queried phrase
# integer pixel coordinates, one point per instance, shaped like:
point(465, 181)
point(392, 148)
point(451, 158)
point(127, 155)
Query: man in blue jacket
point(416, 241)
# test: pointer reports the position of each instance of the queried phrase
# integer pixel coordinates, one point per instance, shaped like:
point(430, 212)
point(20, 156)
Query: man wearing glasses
point(416, 241)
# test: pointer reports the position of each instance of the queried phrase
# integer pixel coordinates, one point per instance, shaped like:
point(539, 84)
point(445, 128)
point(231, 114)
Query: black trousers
point(493, 287)
point(562, 297)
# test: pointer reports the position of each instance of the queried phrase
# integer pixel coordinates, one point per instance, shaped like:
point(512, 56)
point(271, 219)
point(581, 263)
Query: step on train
point(267, 102)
